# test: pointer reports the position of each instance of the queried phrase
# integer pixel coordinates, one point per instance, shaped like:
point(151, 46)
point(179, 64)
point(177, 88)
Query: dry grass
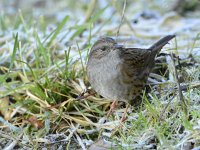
point(42, 75)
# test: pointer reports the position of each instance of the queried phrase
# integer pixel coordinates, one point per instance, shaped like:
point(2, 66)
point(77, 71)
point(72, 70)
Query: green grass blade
point(16, 46)
point(58, 29)
point(43, 51)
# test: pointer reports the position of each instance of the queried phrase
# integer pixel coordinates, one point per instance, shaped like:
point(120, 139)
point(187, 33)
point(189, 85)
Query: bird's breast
point(104, 74)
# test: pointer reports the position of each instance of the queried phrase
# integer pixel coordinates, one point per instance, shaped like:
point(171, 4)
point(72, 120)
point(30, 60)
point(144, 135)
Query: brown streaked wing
point(135, 57)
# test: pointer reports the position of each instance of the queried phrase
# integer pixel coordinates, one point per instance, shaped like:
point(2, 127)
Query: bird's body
point(119, 73)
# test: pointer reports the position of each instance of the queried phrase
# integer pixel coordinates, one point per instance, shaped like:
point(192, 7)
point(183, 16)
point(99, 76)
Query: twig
point(126, 21)
point(122, 18)
point(161, 114)
point(11, 146)
point(90, 10)
point(190, 85)
point(14, 142)
point(178, 86)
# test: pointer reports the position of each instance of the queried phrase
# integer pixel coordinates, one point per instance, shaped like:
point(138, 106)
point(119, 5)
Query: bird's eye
point(103, 48)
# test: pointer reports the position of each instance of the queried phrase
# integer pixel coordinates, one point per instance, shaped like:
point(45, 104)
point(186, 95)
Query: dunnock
point(119, 73)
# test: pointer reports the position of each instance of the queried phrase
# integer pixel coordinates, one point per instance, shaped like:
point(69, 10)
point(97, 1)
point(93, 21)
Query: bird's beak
point(117, 46)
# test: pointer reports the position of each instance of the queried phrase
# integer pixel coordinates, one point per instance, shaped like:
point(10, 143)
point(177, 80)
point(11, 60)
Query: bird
point(118, 73)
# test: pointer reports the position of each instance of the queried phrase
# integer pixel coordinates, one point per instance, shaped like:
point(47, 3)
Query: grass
point(42, 74)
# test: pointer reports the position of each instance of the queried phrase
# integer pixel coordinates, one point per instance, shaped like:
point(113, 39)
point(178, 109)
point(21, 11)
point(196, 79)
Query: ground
point(43, 54)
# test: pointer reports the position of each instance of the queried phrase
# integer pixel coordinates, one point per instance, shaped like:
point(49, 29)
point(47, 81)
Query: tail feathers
point(155, 49)
point(162, 42)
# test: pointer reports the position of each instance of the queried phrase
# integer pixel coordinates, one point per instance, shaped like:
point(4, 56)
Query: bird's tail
point(162, 42)
point(155, 49)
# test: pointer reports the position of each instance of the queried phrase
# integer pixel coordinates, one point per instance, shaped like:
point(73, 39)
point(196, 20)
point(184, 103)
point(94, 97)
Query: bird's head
point(103, 46)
